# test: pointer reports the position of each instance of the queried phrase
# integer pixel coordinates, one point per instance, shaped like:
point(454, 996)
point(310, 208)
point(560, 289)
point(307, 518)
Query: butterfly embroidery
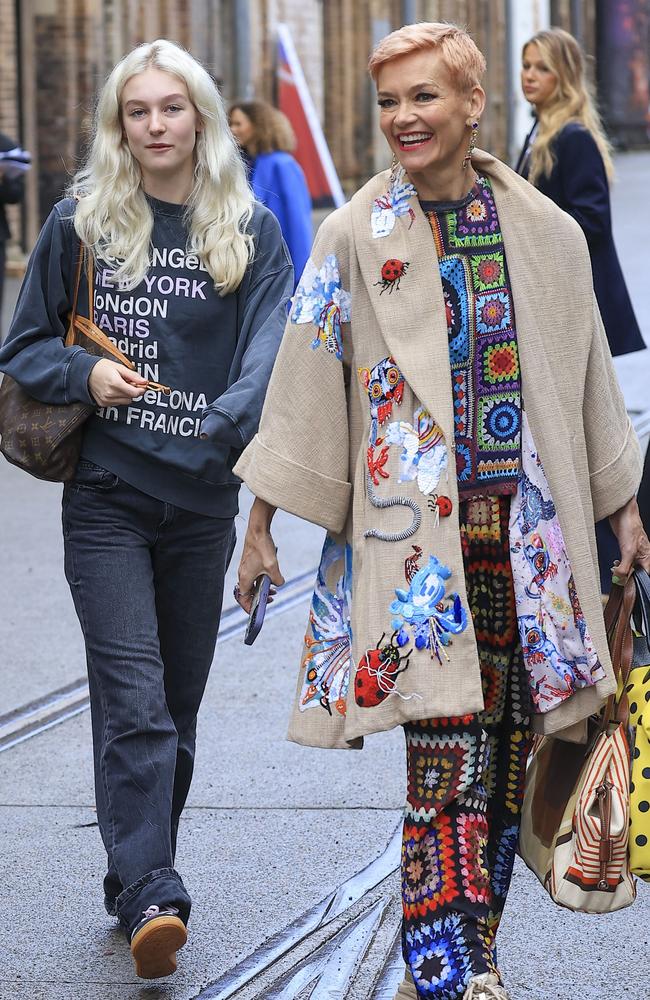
point(424, 453)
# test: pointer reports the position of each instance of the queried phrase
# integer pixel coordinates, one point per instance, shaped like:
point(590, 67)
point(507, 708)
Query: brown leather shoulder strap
point(70, 335)
point(90, 278)
point(621, 649)
point(80, 264)
point(613, 606)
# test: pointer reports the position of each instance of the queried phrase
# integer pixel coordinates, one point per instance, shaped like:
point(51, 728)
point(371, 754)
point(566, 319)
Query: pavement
point(289, 852)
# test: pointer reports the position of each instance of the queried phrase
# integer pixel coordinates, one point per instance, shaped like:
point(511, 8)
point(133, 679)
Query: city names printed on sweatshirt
point(129, 318)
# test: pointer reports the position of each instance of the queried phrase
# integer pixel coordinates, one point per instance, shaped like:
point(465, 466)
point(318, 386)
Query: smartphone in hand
point(258, 608)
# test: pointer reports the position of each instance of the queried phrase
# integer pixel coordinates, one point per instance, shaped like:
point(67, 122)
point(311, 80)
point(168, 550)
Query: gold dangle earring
point(394, 167)
point(472, 144)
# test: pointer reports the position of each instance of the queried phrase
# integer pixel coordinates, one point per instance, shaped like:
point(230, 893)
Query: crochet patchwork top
point(483, 351)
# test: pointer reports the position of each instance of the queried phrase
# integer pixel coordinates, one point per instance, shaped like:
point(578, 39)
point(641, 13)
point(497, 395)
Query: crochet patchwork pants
point(465, 784)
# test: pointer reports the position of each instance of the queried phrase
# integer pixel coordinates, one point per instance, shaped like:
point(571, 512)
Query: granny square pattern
point(485, 373)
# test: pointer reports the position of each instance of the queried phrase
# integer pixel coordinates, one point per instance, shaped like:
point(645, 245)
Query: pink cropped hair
point(463, 59)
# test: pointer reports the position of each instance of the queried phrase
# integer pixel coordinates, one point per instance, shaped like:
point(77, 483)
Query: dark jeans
point(147, 583)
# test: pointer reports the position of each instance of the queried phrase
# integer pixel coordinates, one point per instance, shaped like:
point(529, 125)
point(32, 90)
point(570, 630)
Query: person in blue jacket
point(267, 141)
point(566, 155)
point(192, 281)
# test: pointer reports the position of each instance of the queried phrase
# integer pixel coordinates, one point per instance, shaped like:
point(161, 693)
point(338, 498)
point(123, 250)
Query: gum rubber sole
point(155, 945)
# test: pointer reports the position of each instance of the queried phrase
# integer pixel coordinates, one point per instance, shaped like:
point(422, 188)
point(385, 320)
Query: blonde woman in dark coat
point(567, 157)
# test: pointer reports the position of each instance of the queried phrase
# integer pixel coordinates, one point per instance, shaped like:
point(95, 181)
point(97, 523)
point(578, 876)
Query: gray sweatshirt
point(216, 353)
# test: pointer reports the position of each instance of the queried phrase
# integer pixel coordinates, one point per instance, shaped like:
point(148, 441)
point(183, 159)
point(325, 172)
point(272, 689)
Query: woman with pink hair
point(438, 405)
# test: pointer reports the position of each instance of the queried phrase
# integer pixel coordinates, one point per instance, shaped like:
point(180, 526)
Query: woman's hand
point(632, 540)
point(112, 384)
point(259, 554)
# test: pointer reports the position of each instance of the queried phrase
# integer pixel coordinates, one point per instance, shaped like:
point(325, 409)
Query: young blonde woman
point(267, 140)
point(438, 405)
point(567, 157)
point(191, 282)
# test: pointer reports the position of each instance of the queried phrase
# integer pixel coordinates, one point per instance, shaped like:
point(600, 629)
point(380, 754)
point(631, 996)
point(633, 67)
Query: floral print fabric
point(326, 658)
point(321, 301)
point(558, 651)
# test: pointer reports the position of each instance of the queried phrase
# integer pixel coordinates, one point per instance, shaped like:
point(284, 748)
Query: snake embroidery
point(392, 536)
point(385, 387)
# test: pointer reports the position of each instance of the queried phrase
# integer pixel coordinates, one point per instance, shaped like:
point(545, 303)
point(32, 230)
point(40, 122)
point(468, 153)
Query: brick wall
point(350, 111)
point(78, 41)
point(8, 69)
point(9, 104)
point(351, 30)
point(55, 101)
point(486, 22)
point(580, 21)
point(69, 47)
point(305, 19)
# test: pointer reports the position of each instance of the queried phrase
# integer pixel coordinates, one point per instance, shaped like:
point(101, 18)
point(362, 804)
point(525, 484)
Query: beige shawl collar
point(414, 327)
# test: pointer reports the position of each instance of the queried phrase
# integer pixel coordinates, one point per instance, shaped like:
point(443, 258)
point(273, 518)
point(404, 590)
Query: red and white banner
point(295, 101)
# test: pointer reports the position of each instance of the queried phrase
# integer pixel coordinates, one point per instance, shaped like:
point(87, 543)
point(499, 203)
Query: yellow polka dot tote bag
point(637, 688)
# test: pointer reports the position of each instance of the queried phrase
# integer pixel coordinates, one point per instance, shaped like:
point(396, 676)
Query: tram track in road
point(347, 946)
point(61, 704)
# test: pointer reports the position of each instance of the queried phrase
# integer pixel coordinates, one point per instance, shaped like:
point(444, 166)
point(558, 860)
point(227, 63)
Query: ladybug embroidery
point(377, 672)
point(441, 506)
point(391, 273)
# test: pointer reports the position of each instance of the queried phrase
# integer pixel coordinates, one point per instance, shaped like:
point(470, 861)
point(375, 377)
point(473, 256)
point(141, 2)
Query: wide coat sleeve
point(299, 459)
point(613, 452)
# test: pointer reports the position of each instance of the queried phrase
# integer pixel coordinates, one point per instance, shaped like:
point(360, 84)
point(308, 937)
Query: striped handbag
point(576, 813)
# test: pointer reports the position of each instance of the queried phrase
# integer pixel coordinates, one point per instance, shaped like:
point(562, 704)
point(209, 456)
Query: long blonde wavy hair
point(113, 216)
point(572, 101)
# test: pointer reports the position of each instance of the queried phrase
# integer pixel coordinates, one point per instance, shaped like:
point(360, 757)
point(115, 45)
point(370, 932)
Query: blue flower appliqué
point(421, 614)
point(392, 205)
point(321, 301)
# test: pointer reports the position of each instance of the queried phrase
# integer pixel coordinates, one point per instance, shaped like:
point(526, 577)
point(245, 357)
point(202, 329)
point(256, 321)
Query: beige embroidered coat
point(310, 455)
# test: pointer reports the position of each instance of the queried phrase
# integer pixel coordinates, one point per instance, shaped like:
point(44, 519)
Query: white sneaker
point(485, 987)
point(406, 989)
